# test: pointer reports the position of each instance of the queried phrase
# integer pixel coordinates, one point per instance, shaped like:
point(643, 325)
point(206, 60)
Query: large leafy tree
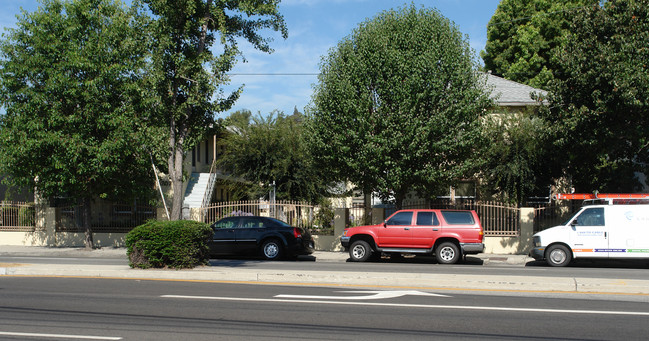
point(397, 104)
point(267, 150)
point(515, 156)
point(189, 69)
point(600, 102)
point(70, 82)
point(523, 35)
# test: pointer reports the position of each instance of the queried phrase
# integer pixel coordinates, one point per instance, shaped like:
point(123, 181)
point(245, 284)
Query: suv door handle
point(406, 228)
point(435, 229)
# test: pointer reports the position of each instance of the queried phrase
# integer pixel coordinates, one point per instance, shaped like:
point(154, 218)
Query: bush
point(173, 244)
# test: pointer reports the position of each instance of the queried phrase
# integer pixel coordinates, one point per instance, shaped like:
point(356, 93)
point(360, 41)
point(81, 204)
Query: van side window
point(427, 218)
point(591, 217)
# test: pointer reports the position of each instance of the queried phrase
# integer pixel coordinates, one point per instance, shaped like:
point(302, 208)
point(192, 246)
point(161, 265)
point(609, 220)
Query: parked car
point(448, 234)
point(267, 237)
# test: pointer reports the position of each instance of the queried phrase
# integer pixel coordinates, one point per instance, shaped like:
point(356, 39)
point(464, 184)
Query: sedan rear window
point(458, 217)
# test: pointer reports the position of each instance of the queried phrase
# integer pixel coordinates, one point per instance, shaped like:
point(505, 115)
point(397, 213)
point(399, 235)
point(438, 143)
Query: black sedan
point(259, 236)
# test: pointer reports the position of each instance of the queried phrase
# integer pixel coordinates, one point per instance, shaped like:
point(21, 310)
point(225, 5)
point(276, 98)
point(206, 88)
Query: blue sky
point(284, 80)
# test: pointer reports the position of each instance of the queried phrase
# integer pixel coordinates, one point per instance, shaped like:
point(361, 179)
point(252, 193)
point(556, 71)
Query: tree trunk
point(398, 199)
point(176, 178)
point(86, 218)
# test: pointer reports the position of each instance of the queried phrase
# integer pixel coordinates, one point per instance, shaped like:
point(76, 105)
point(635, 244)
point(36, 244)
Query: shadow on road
point(421, 259)
point(243, 261)
point(600, 263)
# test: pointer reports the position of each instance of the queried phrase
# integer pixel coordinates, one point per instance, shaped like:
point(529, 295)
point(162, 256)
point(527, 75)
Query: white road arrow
point(376, 295)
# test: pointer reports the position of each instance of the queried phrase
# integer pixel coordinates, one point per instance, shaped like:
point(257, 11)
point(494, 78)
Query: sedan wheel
point(271, 249)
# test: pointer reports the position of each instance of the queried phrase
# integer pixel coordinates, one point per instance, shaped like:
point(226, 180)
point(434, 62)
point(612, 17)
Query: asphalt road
point(126, 309)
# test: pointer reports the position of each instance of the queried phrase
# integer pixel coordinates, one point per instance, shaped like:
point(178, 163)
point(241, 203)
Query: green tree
point(523, 35)
point(600, 99)
point(70, 81)
point(263, 150)
point(397, 104)
point(188, 69)
point(515, 164)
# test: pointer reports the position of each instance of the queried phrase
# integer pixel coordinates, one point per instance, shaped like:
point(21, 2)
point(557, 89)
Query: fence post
point(49, 225)
point(194, 214)
point(378, 215)
point(527, 229)
point(341, 216)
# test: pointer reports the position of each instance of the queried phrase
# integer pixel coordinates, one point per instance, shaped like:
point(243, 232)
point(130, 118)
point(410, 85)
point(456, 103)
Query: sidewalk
point(387, 280)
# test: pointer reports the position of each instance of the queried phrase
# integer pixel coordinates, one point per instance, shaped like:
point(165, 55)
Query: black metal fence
point(293, 212)
point(106, 217)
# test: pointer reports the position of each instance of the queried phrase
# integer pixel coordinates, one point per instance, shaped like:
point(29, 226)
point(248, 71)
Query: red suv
point(448, 234)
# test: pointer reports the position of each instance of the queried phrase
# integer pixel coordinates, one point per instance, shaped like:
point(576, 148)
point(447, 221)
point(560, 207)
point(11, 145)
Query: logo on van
point(629, 215)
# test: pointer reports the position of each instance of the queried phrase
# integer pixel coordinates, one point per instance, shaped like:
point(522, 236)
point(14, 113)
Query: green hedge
point(173, 244)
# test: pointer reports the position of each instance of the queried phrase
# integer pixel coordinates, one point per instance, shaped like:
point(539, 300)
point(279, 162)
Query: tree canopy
point(523, 35)
point(397, 104)
point(188, 69)
point(515, 156)
point(600, 99)
point(267, 150)
point(70, 81)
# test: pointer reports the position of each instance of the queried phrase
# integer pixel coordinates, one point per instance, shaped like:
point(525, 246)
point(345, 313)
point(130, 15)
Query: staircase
point(196, 189)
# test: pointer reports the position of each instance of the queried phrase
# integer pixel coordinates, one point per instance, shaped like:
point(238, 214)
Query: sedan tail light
point(297, 232)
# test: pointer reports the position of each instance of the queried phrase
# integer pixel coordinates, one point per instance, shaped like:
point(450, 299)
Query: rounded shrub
point(172, 244)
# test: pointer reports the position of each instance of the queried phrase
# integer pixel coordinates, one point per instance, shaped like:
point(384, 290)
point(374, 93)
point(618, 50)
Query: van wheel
point(360, 251)
point(558, 255)
point(447, 253)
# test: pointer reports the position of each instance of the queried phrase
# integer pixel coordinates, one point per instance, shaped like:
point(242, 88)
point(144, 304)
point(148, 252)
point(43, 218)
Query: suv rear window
point(458, 217)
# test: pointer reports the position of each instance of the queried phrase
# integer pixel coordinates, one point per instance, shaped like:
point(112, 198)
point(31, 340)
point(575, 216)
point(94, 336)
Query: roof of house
point(510, 93)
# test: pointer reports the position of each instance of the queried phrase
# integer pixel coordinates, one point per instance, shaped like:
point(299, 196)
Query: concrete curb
point(429, 281)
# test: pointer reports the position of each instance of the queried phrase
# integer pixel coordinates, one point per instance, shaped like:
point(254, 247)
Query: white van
point(597, 231)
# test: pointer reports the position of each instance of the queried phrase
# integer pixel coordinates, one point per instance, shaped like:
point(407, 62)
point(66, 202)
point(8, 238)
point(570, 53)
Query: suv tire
point(360, 251)
point(447, 253)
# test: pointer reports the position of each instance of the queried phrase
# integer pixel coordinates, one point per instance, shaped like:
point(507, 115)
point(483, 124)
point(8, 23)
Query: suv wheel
point(447, 253)
point(360, 251)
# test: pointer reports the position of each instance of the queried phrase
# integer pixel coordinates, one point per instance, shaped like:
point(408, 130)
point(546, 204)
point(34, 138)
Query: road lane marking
point(61, 336)
point(376, 295)
point(407, 305)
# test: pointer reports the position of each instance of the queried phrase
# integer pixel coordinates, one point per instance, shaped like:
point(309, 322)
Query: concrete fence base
point(45, 234)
